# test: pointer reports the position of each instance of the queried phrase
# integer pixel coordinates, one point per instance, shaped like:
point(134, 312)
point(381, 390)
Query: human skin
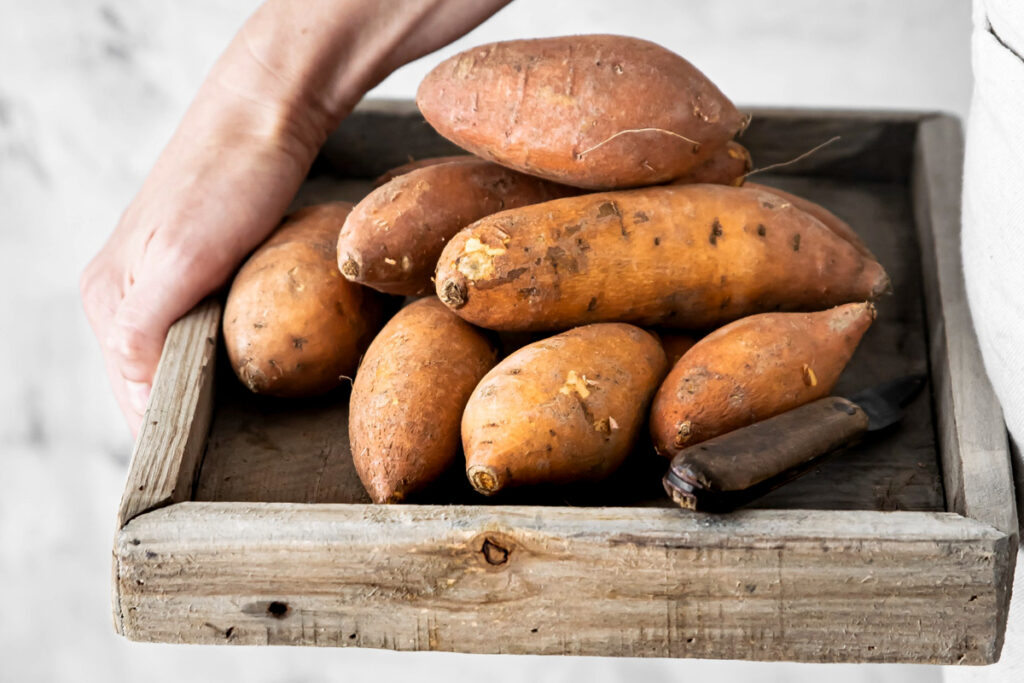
point(231, 168)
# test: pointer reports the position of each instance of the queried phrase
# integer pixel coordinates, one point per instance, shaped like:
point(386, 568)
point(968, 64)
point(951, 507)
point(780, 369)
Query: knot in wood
point(494, 552)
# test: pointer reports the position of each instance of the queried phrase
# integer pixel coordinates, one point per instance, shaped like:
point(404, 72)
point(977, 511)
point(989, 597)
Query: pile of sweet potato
point(603, 196)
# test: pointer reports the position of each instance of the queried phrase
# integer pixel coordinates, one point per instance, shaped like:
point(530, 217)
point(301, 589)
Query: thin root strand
point(696, 145)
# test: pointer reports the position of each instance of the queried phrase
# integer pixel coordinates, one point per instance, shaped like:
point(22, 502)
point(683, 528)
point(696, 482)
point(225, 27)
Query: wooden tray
point(243, 521)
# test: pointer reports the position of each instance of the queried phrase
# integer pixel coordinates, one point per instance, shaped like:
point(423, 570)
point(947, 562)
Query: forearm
point(306, 64)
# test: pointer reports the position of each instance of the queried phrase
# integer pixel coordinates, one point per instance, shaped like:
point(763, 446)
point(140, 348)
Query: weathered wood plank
point(271, 450)
point(872, 145)
point(768, 585)
point(170, 443)
point(972, 437)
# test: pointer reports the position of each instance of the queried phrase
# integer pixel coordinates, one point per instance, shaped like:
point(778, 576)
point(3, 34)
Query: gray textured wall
point(90, 91)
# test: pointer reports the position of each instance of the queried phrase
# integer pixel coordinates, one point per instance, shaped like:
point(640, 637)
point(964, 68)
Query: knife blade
point(732, 469)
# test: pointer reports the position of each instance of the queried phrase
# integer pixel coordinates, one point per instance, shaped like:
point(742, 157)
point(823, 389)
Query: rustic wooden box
point(243, 521)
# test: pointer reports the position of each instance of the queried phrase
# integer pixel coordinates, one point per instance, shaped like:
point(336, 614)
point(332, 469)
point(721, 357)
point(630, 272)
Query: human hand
point(233, 165)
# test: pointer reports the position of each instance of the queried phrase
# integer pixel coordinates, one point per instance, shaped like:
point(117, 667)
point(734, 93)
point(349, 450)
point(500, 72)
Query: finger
point(132, 415)
point(151, 304)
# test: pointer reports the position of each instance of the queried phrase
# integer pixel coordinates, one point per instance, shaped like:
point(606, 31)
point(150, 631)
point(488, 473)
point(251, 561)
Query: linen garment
point(993, 256)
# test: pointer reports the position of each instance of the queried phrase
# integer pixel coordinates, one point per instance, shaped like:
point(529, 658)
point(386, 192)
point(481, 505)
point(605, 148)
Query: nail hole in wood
point(278, 610)
point(494, 553)
point(351, 636)
point(972, 598)
point(533, 630)
point(231, 630)
point(689, 640)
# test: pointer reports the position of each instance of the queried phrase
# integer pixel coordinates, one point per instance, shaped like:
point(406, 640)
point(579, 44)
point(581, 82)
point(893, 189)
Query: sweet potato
point(408, 397)
point(725, 165)
point(680, 256)
point(564, 409)
point(752, 369)
point(292, 325)
point(596, 111)
point(392, 238)
point(829, 219)
point(417, 164)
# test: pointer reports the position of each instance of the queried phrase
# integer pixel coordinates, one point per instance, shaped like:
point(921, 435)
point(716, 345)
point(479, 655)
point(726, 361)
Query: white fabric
point(993, 254)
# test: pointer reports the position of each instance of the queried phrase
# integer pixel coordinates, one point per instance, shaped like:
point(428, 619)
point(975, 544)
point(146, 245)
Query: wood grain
point(273, 450)
point(768, 585)
point(170, 443)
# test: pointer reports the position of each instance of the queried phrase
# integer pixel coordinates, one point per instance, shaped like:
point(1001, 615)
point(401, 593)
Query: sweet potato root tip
point(883, 286)
point(484, 479)
point(349, 268)
point(452, 294)
point(683, 433)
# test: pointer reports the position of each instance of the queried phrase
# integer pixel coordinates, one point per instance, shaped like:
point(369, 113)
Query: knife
point(734, 468)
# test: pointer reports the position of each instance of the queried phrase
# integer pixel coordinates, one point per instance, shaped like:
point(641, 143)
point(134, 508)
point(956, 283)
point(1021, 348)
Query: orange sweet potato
point(725, 165)
point(564, 409)
point(752, 369)
point(681, 256)
point(417, 164)
point(829, 219)
point(408, 397)
point(393, 237)
point(292, 325)
point(594, 111)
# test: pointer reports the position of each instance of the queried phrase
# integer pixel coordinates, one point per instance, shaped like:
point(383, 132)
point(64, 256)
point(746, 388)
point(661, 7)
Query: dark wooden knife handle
point(731, 469)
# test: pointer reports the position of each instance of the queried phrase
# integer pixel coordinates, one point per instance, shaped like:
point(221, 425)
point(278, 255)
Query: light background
point(89, 93)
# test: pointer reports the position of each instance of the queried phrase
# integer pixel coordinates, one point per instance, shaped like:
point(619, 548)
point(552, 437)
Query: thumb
point(150, 305)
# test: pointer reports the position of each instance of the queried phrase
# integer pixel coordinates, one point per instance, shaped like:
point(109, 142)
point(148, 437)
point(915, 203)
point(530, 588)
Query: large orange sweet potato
point(685, 256)
point(594, 111)
point(752, 369)
point(564, 409)
point(293, 326)
point(408, 397)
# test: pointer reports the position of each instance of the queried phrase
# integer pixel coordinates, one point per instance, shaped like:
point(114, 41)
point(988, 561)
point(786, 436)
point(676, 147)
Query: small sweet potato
point(564, 409)
point(725, 165)
point(753, 369)
point(594, 111)
point(680, 256)
point(292, 325)
point(408, 397)
point(417, 164)
point(393, 237)
point(829, 219)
